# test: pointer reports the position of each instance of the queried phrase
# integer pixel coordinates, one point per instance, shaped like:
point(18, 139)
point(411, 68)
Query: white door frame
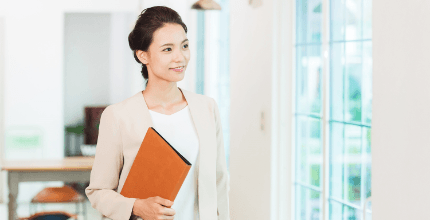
point(282, 120)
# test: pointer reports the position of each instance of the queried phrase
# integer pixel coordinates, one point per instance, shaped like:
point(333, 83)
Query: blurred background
point(323, 102)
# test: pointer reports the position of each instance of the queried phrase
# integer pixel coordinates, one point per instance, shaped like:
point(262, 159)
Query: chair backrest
point(53, 215)
point(56, 194)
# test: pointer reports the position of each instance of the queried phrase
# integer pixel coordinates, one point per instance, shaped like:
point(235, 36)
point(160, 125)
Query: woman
point(188, 121)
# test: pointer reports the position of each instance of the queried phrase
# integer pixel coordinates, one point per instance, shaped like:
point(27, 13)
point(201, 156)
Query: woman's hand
point(153, 208)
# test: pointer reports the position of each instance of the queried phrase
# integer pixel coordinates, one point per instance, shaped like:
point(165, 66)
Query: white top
point(178, 129)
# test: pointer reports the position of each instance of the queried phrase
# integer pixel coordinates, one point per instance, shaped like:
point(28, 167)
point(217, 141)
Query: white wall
point(86, 63)
point(33, 74)
point(251, 60)
point(33, 80)
point(401, 103)
point(125, 76)
point(211, 48)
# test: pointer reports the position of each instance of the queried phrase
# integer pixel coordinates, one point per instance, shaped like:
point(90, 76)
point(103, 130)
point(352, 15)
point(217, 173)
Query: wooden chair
point(54, 215)
point(64, 194)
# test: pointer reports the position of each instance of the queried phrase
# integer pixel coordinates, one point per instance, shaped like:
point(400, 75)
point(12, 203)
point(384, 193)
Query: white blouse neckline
point(170, 114)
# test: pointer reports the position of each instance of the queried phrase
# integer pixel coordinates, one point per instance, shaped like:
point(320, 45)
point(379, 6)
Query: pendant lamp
point(206, 5)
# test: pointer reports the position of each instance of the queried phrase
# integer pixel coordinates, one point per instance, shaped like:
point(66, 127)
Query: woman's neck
point(163, 96)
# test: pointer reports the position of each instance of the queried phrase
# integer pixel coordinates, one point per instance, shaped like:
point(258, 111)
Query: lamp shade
point(206, 5)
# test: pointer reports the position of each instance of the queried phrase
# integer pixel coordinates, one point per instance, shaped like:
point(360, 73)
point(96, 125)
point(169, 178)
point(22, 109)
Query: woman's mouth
point(178, 69)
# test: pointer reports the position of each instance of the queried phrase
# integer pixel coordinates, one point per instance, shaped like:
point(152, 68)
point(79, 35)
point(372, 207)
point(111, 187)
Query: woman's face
point(168, 50)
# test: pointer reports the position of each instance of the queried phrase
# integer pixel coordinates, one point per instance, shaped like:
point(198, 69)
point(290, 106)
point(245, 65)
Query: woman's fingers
point(164, 202)
point(168, 217)
point(169, 211)
point(152, 208)
point(165, 210)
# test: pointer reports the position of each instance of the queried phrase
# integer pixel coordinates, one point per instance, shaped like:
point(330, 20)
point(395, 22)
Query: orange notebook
point(157, 170)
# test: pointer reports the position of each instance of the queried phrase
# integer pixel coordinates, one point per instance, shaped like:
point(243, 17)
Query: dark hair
point(150, 20)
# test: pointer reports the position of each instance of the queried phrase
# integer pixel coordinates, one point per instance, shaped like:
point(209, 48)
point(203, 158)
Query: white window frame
point(282, 122)
point(291, 27)
point(283, 109)
point(2, 70)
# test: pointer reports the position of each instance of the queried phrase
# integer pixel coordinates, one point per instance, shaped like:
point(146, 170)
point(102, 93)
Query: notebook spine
point(178, 185)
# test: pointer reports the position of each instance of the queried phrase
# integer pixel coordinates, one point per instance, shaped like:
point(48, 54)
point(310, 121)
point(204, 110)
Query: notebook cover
point(158, 169)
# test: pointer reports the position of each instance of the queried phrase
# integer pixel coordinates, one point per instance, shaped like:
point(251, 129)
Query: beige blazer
point(121, 131)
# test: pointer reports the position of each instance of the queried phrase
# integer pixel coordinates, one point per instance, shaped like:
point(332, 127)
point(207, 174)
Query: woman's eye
point(170, 48)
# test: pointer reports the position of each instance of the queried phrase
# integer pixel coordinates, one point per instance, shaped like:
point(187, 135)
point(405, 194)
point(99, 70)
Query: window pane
point(337, 20)
point(339, 211)
point(336, 161)
point(351, 213)
point(346, 163)
point(335, 211)
point(353, 175)
point(353, 19)
point(351, 82)
point(367, 19)
point(368, 213)
point(346, 81)
point(368, 216)
point(308, 21)
point(353, 162)
point(308, 204)
point(309, 78)
point(367, 163)
point(337, 78)
point(367, 83)
point(353, 70)
point(308, 151)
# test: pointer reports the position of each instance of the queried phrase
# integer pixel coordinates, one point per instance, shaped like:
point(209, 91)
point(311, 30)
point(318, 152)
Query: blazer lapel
point(145, 116)
point(198, 120)
point(199, 115)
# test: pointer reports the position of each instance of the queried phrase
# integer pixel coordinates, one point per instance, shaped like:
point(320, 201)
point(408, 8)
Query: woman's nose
point(179, 56)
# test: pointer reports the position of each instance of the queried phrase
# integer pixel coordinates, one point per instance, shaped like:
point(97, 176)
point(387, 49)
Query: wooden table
point(69, 169)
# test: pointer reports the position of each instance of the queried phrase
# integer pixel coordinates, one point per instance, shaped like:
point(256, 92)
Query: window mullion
point(325, 108)
point(363, 148)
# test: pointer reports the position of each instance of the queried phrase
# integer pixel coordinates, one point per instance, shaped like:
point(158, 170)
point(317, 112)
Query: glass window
point(346, 122)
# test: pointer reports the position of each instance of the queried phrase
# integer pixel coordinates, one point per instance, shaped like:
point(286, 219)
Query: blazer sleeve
point(106, 169)
point(222, 175)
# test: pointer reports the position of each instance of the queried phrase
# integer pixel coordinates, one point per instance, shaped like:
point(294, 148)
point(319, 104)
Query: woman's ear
point(142, 56)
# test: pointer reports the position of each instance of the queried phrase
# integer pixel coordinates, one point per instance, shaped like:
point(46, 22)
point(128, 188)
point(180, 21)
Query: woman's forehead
point(169, 35)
